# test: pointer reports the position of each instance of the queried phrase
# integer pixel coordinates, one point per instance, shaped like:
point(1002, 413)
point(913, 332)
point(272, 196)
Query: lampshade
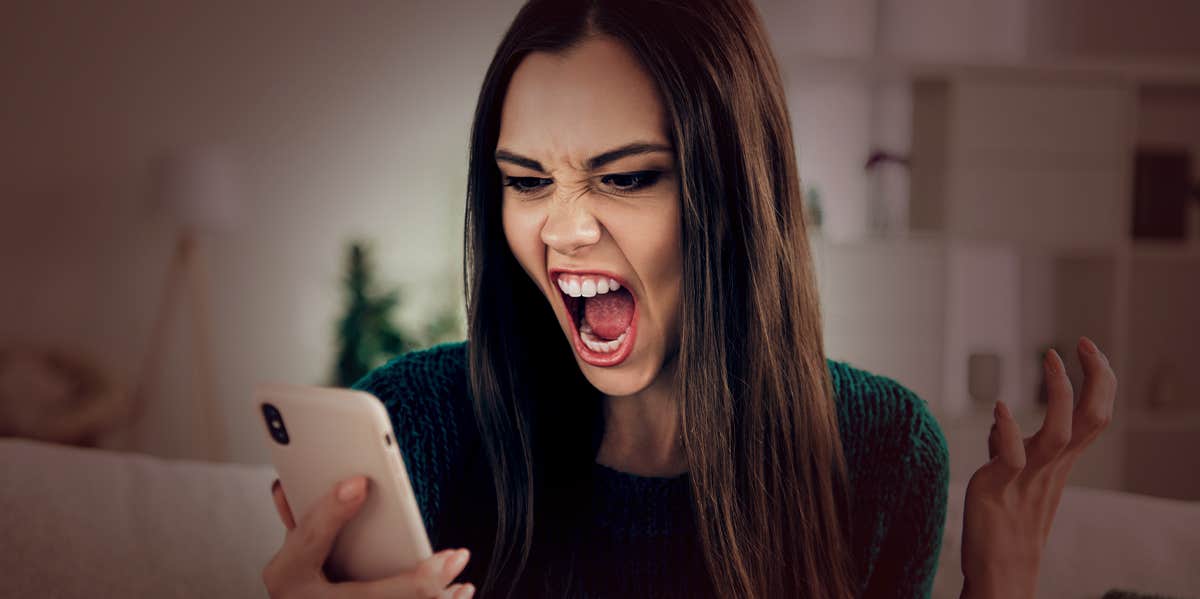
point(202, 188)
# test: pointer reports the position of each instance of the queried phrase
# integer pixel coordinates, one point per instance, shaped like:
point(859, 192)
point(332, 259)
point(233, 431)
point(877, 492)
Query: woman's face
point(591, 198)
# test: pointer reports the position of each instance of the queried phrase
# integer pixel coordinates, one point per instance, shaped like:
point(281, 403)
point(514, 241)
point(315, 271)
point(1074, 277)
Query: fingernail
point(351, 489)
point(1002, 409)
point(1052, 361)
point(456, 560)
point(468, 591)
point(1087, 346)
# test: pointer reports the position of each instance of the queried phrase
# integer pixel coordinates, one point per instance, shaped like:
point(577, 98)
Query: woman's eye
point(526, 184)
point(631, 181)
point(623, 182)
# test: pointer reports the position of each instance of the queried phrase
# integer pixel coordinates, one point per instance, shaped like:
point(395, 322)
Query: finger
point(428, 580)
point(993, 442)
point(1057, 481)
point(458, 591)
point(1099, 396)
point(313, 536)
point(1054, 435)
point(281, 505)
point(1010, 447)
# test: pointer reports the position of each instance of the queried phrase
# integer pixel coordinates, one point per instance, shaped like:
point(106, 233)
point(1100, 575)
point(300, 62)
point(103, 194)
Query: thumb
point(316, 531)
point(428, 579)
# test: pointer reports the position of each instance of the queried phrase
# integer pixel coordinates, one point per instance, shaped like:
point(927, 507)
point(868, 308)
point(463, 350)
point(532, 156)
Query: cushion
point(95, 523)
point(1101, 540)
point(92, 523)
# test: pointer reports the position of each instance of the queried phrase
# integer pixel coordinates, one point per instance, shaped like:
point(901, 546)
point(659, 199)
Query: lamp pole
point(201, 188)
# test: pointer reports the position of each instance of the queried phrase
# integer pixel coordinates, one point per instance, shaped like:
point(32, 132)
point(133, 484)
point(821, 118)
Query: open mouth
point(603, 315)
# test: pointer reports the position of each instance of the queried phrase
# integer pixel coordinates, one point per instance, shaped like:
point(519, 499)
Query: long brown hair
point(756, 405)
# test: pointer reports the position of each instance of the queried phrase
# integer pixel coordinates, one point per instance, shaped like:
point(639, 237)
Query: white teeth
point(587, 286)
point(595, 344)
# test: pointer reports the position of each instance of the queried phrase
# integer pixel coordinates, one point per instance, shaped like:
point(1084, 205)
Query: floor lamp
point(201, 190)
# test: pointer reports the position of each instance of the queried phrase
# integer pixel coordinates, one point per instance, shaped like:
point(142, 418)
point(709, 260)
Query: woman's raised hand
point(297, 570)
point(1011, 500)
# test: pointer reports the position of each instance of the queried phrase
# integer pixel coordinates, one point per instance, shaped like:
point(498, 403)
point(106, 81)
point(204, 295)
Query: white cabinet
point(1012, 158)
point(915, 308)
point(1021, 155)
point(884, 303)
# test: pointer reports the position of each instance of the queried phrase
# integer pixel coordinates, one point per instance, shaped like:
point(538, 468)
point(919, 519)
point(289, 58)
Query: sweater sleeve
point(908, 556)
point(425, 395)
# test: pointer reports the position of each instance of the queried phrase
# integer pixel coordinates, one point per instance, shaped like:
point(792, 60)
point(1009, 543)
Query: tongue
point(609, 314)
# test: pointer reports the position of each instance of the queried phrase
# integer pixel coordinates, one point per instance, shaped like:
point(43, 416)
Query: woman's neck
point(641, 431)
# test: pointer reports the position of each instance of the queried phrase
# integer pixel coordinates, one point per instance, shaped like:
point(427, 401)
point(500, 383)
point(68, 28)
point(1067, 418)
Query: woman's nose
point(569, 227)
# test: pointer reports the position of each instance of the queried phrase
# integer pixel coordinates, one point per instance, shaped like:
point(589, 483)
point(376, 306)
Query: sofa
point(96, 523)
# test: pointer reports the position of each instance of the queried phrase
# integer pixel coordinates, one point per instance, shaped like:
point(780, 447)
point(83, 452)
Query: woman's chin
point(630, 377)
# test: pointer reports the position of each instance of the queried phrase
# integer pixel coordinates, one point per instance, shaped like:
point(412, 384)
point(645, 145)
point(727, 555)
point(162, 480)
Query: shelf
point(1163, 420)
point(1139, 249)
point(1134, 420)
point(1029, 418)
point(818, 236)
point(1165, 250)
point(900, 69)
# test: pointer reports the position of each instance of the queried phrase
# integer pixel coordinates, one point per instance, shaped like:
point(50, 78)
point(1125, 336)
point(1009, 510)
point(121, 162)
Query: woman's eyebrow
point(593, 163)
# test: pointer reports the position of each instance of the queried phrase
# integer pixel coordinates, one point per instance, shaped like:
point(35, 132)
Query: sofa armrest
point(1101, 540)
point(95, 523)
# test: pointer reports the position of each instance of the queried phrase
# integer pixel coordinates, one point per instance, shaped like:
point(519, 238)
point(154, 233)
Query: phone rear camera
point(275, 426)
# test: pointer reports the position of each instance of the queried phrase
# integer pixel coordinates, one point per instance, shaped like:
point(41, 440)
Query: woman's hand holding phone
point(297, 569)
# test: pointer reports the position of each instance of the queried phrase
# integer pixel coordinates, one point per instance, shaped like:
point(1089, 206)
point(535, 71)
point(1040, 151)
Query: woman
point(644, 396)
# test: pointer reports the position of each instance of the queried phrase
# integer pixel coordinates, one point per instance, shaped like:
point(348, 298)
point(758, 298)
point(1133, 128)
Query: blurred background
point(200, 196)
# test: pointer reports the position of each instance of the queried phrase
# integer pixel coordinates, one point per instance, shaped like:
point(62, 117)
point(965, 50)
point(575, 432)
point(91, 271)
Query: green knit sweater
point(642, 537)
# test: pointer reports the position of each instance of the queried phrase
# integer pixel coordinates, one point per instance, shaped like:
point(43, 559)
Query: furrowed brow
point(632, 149)
point(519, 160)
point(593, 163)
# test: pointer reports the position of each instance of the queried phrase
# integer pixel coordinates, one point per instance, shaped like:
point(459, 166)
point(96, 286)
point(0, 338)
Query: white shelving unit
point(1020, 206)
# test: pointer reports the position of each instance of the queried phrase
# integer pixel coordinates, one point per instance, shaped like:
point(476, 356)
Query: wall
point(1115, 29)
point(351, 121)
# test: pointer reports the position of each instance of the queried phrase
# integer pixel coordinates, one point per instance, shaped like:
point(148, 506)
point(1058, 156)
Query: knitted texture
point(642, 537)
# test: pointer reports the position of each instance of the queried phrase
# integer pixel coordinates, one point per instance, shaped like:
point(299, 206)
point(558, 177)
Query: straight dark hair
point(756, 404)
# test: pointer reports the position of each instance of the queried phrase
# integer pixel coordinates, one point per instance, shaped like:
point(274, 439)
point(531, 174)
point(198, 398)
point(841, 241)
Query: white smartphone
point(321, 435)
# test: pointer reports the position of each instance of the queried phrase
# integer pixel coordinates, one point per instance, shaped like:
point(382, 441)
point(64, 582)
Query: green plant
point(814, 212)
point(367, 337)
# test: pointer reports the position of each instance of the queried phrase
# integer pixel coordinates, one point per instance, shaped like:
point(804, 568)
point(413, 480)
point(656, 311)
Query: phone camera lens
point(275, 426)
